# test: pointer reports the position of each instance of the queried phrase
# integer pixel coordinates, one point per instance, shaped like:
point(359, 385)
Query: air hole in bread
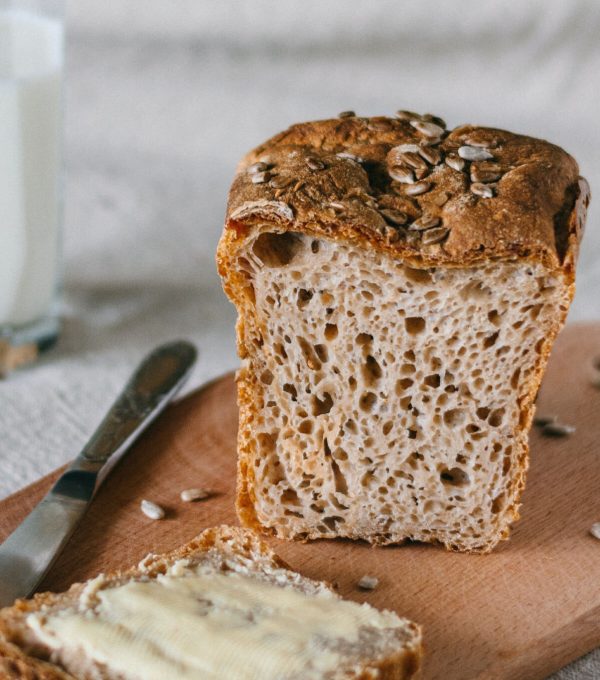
point(314, 246)
point(490, 340)
point(266, 377)
point(322, 406)
point(277, 250)
point(454, 417)
point(432, 380)
point(291, 390)
point(371, 371)
point(304, 297)
point(331, 331)
point(367, 401)
point(322, 353)
point(454, 477)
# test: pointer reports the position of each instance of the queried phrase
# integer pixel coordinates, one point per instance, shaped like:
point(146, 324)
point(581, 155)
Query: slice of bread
point(222, 606)
point(399, 288)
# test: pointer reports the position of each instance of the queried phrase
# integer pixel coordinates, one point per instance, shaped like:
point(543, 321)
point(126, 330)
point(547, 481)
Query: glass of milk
point(31, 178)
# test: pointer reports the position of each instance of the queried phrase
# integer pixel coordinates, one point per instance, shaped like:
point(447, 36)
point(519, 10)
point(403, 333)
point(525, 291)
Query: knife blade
point(27, 554)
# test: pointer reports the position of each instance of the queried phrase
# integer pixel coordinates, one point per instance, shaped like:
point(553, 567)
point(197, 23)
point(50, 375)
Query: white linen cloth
point(162, 100)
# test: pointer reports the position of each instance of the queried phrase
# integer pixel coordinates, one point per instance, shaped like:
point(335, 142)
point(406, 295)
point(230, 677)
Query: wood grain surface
point(522, 612)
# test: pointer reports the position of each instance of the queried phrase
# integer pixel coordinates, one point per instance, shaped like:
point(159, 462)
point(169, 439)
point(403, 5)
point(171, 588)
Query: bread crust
point(537, 214)
point(346, 200)
point(16, 664)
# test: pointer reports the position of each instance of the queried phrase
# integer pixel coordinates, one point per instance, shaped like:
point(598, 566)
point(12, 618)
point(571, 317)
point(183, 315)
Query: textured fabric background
point(164, 97)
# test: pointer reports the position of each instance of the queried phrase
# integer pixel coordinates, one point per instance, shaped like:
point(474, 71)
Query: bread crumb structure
point(388, 379)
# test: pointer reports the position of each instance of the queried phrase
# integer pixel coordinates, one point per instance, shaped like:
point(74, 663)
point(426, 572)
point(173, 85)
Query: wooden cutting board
point(522, 612)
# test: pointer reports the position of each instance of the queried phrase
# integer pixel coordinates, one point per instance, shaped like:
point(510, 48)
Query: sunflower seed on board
point(257, 167)
point(368, 582)
point(190, 495)
point(557, 430)
point(595, 530)
point(424, 222)
point(474, 153)
point(431, 155)
point(544, 419)
point(401, 174)
point(393, 216)
point(427, 128)
point(151, 509)
point(455, 162)
point(315, 163)
point(483, 190)
point(347, 114)
point(260, 177)
point(433, 236)
point(417, 189)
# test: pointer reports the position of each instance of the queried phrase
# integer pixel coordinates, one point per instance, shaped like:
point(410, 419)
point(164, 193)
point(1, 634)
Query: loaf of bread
point(222, 607)
point(399, 287)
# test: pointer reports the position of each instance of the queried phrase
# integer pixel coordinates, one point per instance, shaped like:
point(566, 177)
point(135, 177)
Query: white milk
point(30, 179)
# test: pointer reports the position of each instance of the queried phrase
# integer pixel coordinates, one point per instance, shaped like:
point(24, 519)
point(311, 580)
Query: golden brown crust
point(312, 181)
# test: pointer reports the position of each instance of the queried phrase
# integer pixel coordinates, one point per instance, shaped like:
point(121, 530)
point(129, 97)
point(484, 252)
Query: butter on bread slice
point(399, 286)
point(222, 606)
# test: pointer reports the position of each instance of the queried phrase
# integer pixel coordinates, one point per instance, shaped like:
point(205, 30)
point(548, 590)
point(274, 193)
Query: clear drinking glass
point(31, 175)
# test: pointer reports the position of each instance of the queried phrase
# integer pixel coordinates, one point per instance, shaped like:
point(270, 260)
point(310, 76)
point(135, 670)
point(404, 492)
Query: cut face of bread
point(391, 402)
point(222, 607)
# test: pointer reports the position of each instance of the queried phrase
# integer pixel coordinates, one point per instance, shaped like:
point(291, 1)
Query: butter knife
point(29, 551)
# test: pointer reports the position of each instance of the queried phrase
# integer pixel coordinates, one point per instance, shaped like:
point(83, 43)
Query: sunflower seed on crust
point(417, 189)
point(485, 172)
point(407, 115)
point(595, 530)
point(347, 114)
point(436, 235)
point(349, 156)
point(486, 144)
point(151, 509)
point(368, 582)
point(392, 216)
point(263, 208)
point(474, 153)
point(427, 128)
point(194, 494)
point(557, 430)
point(260, 177)
point(455, 162)
point(483, 190)
point(279, 182)
point(430, 154)
point(401, 174)
point(426, 221)
point(259, 166)
point(413, 160)
point(315, 163)
point(434, 119)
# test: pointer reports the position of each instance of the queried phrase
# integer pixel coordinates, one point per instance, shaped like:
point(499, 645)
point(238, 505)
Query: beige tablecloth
point(162, 100)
